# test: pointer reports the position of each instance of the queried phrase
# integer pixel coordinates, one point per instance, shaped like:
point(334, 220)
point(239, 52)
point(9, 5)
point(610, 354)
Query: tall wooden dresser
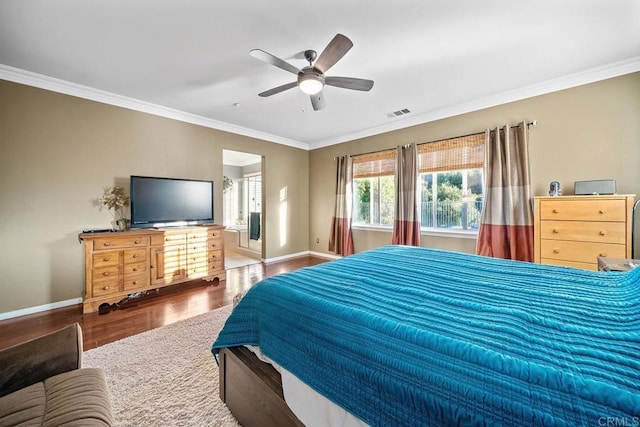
point(118, 264)
point(575, 230)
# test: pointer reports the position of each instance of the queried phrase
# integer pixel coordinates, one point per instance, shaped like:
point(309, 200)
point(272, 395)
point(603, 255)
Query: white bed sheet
point(312, 408)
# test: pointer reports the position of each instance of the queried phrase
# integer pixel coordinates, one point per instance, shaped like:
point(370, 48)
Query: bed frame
point(252, 389)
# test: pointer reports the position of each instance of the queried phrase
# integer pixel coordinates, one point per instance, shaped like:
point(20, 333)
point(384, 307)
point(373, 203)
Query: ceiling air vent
point(399, 113)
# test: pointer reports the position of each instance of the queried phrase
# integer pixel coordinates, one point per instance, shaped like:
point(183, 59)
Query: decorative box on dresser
point(118, 264)
point(575, 230)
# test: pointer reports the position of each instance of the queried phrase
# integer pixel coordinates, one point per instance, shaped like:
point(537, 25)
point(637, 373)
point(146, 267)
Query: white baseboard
point(59, 304)
point(323, 255)
point(40, 308)
point(299, 255)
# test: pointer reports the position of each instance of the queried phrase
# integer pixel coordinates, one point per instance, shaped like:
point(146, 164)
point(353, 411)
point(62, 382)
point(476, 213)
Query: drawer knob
point(135, 282)
point(107, 243)
point(106, 259)
point(555, 211)
point(135, 255)
point(602, 254)
point(135, 269)
point(137, 242)
point(603, 233)
point(600, 211)
point(106, 273)
point(555, 231)
point(556, 251)
point(106, 288)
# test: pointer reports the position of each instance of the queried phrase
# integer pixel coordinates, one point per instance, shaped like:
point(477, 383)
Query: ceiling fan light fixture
point(311, 84)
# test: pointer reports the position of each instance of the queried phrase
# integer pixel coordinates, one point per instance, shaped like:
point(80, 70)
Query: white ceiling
point(189, 59)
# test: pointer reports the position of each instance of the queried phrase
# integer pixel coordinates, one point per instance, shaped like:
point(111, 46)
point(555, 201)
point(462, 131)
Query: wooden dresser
point(118, 264)
point(575, 230)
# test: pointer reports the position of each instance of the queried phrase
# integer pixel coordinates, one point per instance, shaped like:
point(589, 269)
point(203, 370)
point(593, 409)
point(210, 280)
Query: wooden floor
point(169, 305)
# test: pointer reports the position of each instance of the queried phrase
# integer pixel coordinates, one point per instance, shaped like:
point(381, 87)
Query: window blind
point(379, 163)
point(464, 152)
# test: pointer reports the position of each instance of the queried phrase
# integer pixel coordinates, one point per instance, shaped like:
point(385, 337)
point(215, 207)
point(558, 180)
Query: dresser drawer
point(105, 285)
point(583, 210)
point(105, 259)
point(134, 269)
point(102, 243)
point(579, 251)
point(574, 264)
point(136, 281)
point(215, 234)
point(197, 248)
point(197, 236)
point(135, 256)
point(214, 244)
point(169, 239)
point(215, 256)
point(584, 231)
point(216, 265)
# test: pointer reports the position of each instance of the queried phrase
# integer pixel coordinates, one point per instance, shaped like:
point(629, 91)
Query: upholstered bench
point(42, 383)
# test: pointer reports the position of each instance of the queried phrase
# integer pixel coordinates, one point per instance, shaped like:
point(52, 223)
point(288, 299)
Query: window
point(451, 181)
point(373, 188)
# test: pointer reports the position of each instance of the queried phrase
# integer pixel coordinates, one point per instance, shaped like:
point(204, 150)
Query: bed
point(413, 336)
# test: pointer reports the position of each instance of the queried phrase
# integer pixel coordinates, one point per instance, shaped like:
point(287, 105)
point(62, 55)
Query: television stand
point(121, 264)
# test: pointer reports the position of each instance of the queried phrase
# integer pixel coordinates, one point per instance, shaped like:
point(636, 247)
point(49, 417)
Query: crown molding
point(593, 75)
point(40, 81)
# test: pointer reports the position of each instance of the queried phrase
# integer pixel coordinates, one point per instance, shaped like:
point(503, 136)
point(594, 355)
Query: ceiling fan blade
point(349, 83)
point(278, 89)
point(273, 60)
point(331, 54)
point(317, 101)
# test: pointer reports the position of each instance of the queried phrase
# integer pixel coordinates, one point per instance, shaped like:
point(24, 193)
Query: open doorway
point(242, 208)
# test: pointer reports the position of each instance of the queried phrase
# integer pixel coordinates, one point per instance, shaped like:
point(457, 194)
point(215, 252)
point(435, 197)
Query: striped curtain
point(506, 228)
point(406, 225)
point(341, 239)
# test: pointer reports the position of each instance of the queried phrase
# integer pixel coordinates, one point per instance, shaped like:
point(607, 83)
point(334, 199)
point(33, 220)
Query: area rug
point(166, 376)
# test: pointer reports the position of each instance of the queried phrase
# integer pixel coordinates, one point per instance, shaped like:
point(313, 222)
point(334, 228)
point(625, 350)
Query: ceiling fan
point(311, 79)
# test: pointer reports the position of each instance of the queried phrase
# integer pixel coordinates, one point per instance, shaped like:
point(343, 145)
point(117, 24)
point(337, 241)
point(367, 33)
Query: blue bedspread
point(413, 336)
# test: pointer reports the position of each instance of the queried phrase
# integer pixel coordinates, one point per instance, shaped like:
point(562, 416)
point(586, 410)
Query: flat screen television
point(169, 202)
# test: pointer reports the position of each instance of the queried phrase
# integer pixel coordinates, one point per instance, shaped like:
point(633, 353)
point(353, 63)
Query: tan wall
point(587, 132)
point(57, 152)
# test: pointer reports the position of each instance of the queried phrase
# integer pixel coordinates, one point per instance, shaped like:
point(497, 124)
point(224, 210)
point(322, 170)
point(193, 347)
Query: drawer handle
point(106, 259)
point(106, 288)
point(106, 273)
point(107, 243)
point(555, 211)
point(556, 251)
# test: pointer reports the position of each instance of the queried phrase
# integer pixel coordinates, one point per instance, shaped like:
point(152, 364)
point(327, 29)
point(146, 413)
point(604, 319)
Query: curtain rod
point(529, 124)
